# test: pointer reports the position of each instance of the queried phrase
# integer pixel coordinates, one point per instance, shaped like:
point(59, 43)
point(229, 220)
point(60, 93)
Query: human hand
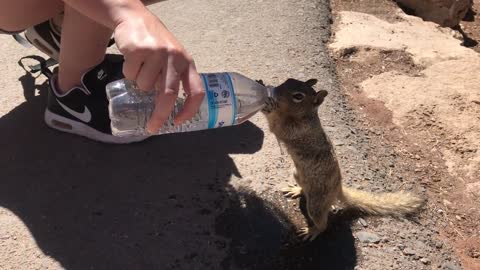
point(156, 60)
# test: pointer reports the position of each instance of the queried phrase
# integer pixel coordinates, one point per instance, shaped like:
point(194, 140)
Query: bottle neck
point(271, 91)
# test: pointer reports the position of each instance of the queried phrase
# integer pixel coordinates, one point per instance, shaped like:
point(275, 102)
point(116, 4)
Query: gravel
point(367, 237)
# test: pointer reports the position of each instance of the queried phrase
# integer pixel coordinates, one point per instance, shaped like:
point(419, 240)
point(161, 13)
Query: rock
point(348, 51)
point(447, 203)
point(339, 143)
point(362, 222)
point(447, 13)
point(390, 249)
point(450, 266)
point(408, 251)
point(439, 245)
point(474, 188)
point(367, 237)
point(425, 261)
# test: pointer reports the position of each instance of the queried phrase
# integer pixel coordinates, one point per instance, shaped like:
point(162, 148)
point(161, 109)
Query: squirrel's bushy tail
point(393, 204)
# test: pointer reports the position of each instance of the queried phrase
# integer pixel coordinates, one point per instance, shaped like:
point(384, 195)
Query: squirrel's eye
point(298, 97)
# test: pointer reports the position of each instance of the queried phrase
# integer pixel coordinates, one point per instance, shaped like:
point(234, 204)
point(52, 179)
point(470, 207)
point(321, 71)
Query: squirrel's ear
point(260, 82)
point(320, 97)
point(311, 82)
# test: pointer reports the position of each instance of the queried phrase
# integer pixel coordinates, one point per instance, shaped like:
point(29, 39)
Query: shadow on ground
point(161, 204)
point(263, 237)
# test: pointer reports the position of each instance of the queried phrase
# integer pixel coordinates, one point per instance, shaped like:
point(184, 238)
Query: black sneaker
point(46, 37)
point(84, 110)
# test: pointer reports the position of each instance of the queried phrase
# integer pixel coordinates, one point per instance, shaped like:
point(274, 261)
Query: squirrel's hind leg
point(318, 209)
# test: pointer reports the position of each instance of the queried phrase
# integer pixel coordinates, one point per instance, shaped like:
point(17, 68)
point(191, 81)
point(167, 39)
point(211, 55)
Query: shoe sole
point(61, 123)
point(44, 47)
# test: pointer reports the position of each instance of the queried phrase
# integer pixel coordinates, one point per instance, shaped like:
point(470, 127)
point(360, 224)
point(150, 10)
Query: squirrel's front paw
point(270, 105)
point(260, 82)
point(292, 191)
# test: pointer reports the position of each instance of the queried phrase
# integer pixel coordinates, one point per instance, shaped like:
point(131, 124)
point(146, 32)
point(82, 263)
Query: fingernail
point(150, 130)
point(176, 122)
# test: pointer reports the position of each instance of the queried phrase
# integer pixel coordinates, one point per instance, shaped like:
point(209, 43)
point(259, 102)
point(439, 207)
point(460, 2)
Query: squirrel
point(292, 115)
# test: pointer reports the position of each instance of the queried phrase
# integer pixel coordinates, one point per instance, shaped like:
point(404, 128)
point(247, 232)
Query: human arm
point(153, 56)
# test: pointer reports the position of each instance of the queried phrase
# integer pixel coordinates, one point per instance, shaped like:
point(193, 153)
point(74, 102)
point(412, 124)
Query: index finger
point(193, 87)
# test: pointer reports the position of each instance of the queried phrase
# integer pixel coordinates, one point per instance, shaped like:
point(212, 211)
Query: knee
point(9, 31)
point(9, 25)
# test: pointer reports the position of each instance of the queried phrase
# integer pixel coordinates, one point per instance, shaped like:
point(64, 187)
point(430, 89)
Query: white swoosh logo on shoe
point(85, 116)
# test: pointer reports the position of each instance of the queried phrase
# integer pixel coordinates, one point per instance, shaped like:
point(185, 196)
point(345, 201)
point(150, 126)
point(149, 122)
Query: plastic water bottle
point(230, 99)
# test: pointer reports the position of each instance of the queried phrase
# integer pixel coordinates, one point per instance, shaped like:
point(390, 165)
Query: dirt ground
point(206, 200)
point(411, 95)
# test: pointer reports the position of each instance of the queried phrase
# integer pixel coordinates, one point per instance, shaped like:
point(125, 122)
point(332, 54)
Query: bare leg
point(84, 43)
point(318, 210)
point(20, 14)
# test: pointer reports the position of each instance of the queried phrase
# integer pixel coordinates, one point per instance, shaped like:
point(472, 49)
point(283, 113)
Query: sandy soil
point(177, 202)
point(426, 83)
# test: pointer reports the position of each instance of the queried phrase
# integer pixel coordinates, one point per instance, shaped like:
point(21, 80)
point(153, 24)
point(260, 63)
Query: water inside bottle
point(130, 108)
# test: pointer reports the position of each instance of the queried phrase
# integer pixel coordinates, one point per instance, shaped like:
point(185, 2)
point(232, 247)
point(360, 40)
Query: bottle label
point(221, 99)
